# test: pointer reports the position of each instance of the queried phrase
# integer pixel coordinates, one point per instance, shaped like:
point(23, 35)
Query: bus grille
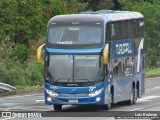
point(73, 95)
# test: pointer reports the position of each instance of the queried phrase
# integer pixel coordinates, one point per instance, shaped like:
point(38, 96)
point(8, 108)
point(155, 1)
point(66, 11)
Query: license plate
point(73, 101)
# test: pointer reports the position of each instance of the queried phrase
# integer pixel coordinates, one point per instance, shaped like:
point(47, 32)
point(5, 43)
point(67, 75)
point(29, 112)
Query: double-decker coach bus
point(94, 58)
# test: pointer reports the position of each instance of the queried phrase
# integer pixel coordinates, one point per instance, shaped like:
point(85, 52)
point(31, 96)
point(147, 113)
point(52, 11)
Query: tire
point(57, 107)
point(108, 106)
point(130, 102)
point(133, 97)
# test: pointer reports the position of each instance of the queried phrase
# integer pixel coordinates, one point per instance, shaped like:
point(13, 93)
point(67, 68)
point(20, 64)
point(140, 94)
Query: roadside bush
point(22, 52)
point(34, 74)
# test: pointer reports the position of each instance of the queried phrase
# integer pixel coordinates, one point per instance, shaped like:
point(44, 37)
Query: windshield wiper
point(86, 79)
point(68, 79)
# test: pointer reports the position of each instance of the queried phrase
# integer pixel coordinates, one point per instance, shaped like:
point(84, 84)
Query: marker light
point(98, 99)
point(49, 99)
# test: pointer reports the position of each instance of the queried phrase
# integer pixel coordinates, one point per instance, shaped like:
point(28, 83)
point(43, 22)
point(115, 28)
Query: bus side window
point(132, 29)
point(113, 31)
point(141, 28)
point(108, 32)
point(123, 29)
point(136, 28)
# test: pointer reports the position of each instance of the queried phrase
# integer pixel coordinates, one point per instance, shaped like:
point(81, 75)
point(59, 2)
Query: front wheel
point(57, 107)
point(108, 106)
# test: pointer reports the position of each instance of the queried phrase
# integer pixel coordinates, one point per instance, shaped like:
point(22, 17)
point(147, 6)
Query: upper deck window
point(75, 35)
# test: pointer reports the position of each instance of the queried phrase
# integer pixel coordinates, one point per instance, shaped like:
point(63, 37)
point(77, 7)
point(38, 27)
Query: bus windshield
point(75, 35)
point(75, 68)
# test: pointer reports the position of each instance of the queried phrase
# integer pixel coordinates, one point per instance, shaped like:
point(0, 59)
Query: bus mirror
point(39, 54)
point(105, 54)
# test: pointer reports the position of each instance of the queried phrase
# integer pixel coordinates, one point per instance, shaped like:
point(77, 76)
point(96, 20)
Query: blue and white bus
point(94, 58)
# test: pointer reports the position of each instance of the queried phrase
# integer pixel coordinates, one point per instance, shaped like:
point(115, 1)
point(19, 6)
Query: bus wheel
point(133, 97)
point(130, 102)
point(57, 107)
point(108, 106)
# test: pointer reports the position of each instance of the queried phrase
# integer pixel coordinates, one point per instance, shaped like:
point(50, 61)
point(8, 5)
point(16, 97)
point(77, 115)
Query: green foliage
point(155, 71)
point(16, 74)
point(22, 52)
point(23, 22)
point(34, 74)
point(13, 72)
point(101, 4)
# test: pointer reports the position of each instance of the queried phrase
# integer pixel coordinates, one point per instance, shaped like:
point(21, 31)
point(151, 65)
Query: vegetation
point(153, 72)
point(23, 28)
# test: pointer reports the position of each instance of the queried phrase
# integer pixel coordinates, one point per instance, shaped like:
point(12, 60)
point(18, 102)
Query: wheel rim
point(109, 105)
point(132, 100)
point(135, 95)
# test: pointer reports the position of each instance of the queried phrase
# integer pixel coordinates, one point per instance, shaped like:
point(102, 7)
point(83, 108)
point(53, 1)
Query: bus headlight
point(94, 93)
point(52, 93)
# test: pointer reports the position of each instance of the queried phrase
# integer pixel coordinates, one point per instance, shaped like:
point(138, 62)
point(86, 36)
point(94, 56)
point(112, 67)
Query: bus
point(94, 58)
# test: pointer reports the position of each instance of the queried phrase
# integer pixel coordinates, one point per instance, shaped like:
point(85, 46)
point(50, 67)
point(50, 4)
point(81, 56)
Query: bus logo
point(91, 88)
point(73, 90)
point(123, 48)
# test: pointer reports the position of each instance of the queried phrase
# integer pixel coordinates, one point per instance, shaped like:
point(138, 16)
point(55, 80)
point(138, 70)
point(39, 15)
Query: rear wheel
point(133, 97)
point(57, 107)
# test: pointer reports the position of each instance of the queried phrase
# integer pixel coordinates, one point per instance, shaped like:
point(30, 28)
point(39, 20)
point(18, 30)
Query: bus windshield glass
point(74, 36)
point(75, 68)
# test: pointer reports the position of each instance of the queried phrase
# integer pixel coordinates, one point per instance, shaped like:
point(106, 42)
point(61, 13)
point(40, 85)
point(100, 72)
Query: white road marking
point(17, 107)
point(153, 78)
point(136, 109)
point(156, 87)
point(17, 96)
point(26, 108)
point(148, 98)
point(8, 118)
point(40, 100)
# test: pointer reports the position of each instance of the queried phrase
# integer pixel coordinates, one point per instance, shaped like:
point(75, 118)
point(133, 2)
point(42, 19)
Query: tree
point(102, 4)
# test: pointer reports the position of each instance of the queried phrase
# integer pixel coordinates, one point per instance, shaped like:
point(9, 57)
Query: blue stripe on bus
point(95, 50)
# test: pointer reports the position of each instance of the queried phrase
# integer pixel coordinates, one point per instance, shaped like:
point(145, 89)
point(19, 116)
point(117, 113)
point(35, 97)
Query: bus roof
point(109, 15)
point(112, 15)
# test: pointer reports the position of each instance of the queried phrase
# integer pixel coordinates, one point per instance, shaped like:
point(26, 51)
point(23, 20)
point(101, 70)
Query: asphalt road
point(35, 102)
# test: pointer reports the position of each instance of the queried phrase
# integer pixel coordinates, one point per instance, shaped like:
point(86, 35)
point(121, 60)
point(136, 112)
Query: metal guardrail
point(6, 87)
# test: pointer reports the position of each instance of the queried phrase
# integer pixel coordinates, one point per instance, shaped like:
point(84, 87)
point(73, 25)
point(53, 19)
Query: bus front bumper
point(95, 100)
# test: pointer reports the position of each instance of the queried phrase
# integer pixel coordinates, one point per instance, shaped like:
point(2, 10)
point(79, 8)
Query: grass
point(153, 72)
point(28, 89)
point(23, 90)
point(18, 87)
